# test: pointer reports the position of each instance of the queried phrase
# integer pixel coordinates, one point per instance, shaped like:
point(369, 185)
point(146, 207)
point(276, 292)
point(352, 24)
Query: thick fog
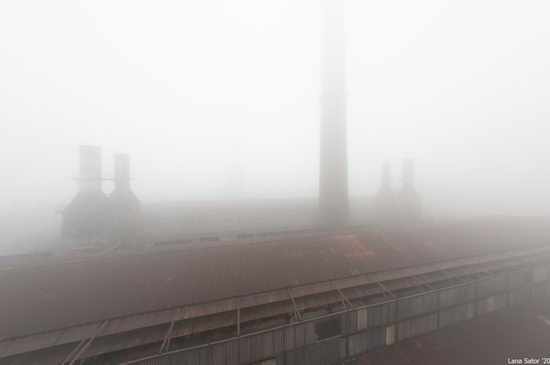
point(219, 100)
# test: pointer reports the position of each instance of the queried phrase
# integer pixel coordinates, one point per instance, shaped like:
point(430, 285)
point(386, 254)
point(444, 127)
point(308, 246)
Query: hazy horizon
point(220, 100)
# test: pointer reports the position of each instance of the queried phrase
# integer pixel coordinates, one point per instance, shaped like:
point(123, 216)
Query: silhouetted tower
point(86, 218)
point(409, 202)
point(126, 209)
point(385, 198)
point(333, 179)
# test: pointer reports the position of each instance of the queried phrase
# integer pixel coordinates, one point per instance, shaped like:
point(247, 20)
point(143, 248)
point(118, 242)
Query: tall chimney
point(385, 203)
point(127, 219)
point(122, 171)
point(90, 168)
point(333, 179)
point(409, 202)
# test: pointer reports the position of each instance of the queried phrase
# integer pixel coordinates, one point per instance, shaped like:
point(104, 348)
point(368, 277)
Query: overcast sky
point(196, 90)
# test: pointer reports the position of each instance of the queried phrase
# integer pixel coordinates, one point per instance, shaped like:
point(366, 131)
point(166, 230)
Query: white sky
point(192, 89)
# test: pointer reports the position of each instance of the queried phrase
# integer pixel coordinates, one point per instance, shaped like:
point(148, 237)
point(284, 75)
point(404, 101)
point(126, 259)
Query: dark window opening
point(328, 328)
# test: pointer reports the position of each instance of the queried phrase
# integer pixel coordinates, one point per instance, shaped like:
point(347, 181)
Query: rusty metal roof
point(56, 293)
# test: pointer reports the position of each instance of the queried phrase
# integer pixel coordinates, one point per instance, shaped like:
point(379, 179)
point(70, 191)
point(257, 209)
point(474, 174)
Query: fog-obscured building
point(86, 220)
point(92, 218)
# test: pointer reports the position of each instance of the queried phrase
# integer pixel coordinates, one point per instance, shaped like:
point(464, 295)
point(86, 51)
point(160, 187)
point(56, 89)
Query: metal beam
point(83, 346)
point(449, 276)
point(475, 267)
point(384, 289)
point(422, 281)
point(296, 310)
point(77, 348)
point(168, 336)
point(344, 297)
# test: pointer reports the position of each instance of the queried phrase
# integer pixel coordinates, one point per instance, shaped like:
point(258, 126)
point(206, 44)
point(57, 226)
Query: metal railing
point(390, 320)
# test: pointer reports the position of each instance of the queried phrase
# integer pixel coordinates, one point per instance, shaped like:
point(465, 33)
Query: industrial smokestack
point(86, 218)
point(385, 203)
point(90, 168)
point(122, 171)
point(127, 218)
point(409, 204)
point(333, 179)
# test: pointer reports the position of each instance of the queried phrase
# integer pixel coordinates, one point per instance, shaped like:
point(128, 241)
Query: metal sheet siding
point(491, 304)
point(297, 357)
point(457, 295)
point(538, 291)
point(357, 343)
point(251, 349)
point(414, 306)
point(218, 354)
point(381, 314)
point(300, 335)
point(519, 279)
point(539, 274)
point(351, 322)
point(267, 344)
point(519, 296)
point(415, 326)
point(278, 341)
point(376, 336)
point(309, 333)
point(491, 286)
point(323, 353)
point(289, 338)
point(456, 314)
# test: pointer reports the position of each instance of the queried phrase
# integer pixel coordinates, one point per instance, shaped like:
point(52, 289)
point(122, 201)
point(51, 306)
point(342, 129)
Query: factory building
point(92, 218)
point(127, 217)
point(86, 218)
point(385, 200)
point(409, 205)
point(313, 299)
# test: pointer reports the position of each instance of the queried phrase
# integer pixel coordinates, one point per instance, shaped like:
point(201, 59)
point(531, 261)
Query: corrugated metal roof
point(45, 297)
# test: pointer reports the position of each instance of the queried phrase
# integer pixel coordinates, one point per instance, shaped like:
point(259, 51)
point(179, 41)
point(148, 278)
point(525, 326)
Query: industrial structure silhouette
point(398, 290)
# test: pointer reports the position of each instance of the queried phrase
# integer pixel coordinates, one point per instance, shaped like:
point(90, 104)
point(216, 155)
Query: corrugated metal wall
point(457, 295)
point(373, 325)
point(407, 308)
point(490, 286)
point(491, 304)
point(415, 326)
point(453, 315)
